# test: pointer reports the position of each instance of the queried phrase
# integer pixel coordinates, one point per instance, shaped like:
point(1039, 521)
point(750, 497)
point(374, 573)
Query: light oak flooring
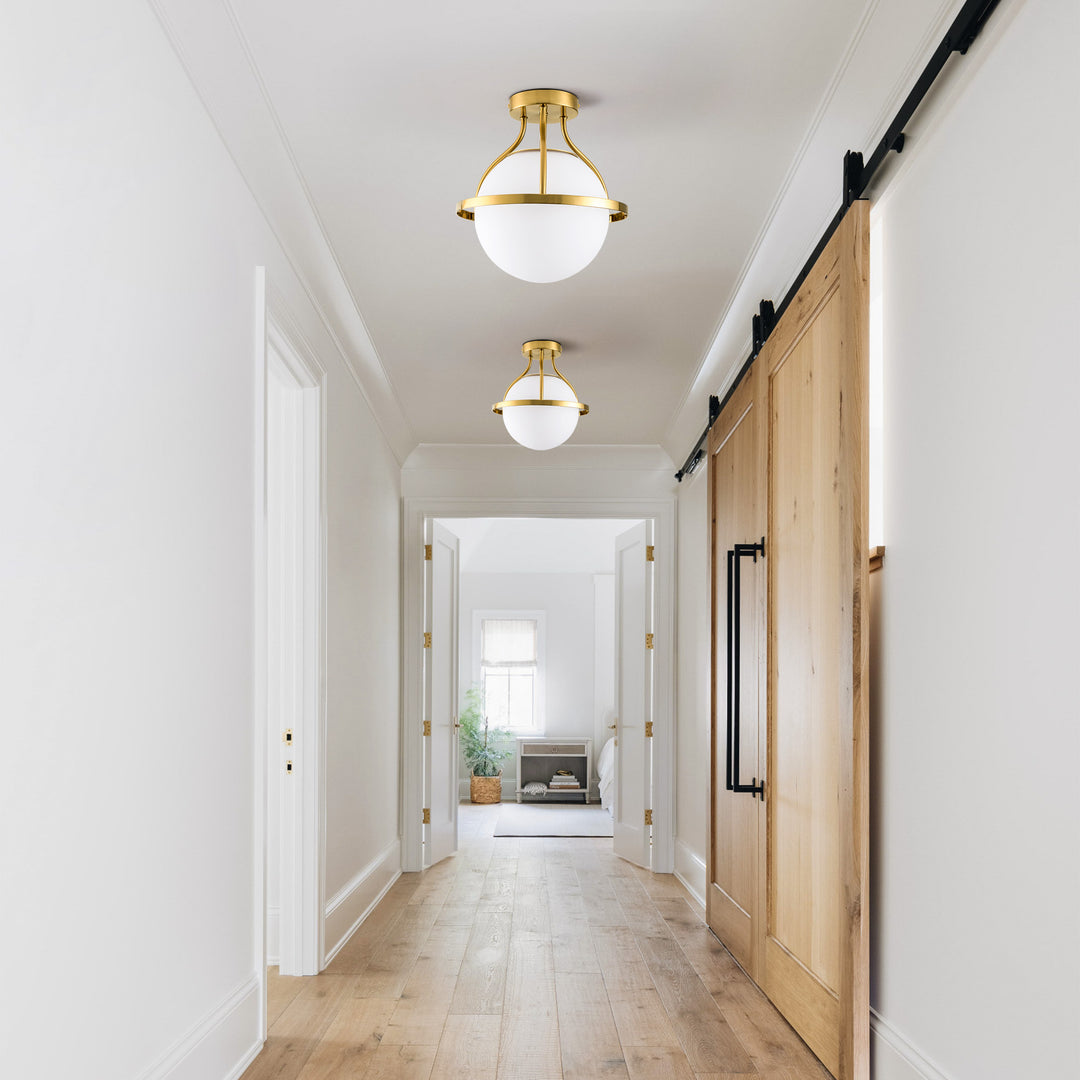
point(529, 959)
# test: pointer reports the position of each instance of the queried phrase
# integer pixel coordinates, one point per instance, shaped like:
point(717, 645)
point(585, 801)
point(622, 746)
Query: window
point(510, 672)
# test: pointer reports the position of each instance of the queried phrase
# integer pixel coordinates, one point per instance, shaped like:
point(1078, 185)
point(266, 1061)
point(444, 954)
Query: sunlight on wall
point(877, 395)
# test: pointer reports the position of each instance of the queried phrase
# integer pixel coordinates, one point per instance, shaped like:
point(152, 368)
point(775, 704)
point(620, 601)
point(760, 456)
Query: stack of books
point(564, 781)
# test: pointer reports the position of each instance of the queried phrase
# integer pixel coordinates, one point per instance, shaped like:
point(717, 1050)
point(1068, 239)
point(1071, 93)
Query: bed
point(605, 770)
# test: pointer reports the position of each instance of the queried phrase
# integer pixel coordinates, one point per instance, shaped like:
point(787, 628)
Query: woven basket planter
point(485, 789)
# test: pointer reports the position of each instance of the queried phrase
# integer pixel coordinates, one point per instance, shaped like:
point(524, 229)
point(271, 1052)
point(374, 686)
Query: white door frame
point(438, 791)
point(279, 340)
point(417, 511)
point(632, 835)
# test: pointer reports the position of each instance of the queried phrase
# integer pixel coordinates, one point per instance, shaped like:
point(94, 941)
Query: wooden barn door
point(809, 941)
point(737, 517)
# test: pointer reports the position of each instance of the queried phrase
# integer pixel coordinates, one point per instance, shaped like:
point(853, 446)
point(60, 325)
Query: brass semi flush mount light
point(541, 409)
point(542, 215)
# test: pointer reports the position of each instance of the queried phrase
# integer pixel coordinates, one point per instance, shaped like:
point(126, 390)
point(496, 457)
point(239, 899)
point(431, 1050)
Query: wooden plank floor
point(529, 959)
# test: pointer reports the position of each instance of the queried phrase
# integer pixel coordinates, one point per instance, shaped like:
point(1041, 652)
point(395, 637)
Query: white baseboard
point(690, 870)
point(892, 1057)
point(222, 1044)
point(351, 905)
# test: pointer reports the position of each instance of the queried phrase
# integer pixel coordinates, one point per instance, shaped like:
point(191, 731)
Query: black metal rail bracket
point(762, 324)
point(697, 455)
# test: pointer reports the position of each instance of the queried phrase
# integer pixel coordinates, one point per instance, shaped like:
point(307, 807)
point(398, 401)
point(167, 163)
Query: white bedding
point(605, 769)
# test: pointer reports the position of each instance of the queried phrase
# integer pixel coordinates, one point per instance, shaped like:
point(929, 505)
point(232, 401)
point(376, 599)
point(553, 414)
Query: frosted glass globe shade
point(540, 427)
point(533, 241)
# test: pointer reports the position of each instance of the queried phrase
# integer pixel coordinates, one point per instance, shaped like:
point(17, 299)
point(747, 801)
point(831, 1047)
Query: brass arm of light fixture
point(516, 381)
point(596, 172)
point(505, 154)
point(537, 349)
point(537, 106)
point(563, 377)
point(543, 191)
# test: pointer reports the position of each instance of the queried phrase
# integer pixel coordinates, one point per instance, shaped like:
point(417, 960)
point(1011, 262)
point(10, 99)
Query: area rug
point(540, 819)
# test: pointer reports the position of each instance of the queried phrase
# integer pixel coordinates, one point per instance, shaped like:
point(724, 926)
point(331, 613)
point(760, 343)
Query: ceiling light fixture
point(540, 410)
point(542, 215)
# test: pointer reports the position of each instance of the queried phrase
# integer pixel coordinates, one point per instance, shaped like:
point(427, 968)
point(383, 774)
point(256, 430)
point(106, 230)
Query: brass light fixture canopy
point(527, 103)
point(542, 421)
point(564, 178)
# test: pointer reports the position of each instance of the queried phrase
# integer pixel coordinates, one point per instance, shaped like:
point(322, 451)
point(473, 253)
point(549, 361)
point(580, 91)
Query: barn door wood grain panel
point(736, 821)
point(787, 877)
point(816, 944)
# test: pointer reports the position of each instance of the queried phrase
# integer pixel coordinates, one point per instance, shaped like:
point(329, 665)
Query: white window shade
point(508, 643)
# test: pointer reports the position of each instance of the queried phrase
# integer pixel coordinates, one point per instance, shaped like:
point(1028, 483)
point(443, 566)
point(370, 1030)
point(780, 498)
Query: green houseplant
point(483, 748)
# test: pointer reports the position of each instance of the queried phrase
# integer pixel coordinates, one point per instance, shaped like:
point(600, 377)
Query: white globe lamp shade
point(542, 242)
point(542, 215)
point(540, 427)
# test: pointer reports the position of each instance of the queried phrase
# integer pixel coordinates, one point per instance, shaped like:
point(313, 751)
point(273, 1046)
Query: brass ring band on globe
point(579, 405)
point(616, 210)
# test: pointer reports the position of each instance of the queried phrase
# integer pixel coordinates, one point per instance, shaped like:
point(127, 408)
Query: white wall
point(975, 861)
point(127, 424)
point(975, 845)
point(568, 603)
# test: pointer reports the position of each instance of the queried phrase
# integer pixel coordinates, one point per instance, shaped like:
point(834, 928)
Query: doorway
point(513, 564)
point(291, 531)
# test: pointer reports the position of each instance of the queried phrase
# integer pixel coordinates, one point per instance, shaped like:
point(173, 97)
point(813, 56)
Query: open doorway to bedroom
point(645, 566)
point(537, 659)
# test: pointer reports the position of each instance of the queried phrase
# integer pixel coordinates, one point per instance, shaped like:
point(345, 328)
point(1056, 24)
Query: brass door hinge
point(427, 553)
point(427, 639)
point(648, 641)
point(427, 727)
point(288, 768)
point(650, 553)
point(427, 815)
point(286, 736)
point(648, 817)
point(648, 729)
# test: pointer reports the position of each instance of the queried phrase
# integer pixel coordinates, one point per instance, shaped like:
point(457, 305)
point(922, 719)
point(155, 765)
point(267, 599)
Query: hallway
point(529, 959)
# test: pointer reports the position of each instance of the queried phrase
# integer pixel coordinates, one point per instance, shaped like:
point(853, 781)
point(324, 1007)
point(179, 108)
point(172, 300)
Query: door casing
point(278, 341)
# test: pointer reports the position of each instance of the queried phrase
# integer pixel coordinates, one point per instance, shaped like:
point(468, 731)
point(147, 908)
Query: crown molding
point(500, 457)
point(210, 46)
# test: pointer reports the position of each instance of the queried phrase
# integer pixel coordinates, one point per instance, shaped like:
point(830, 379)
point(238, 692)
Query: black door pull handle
point(734, 620)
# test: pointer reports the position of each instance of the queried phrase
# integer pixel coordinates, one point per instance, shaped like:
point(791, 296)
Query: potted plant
point(484, 749)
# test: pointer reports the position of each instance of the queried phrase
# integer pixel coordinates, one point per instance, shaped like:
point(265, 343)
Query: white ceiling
point(536, 545)
point(698, 113)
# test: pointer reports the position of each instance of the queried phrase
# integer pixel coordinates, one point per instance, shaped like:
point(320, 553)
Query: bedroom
point(536, 634)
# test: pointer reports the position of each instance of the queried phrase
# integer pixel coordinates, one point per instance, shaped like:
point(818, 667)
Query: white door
point(633, 694)
point(294, 664)
point(441, 698)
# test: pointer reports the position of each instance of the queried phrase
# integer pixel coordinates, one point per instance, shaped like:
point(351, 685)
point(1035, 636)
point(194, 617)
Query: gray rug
point(547, 819)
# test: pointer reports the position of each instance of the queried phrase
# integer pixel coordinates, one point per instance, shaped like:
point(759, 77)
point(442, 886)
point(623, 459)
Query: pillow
point(534, 787)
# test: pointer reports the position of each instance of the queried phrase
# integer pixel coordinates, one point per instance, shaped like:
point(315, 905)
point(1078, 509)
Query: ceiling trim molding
point(211, 49)
point(806, 202)
point(500, 457)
